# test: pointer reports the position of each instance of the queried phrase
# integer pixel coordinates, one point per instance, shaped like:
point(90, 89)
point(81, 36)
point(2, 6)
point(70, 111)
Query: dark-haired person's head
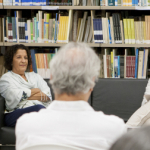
point(137, 139)
point(17, 58)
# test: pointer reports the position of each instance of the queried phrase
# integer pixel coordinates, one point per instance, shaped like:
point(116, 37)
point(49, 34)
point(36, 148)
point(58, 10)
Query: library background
point(119, 32)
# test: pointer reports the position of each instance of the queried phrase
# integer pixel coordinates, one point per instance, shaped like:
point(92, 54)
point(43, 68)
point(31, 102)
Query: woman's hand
point(36, 94)
point(34, 91)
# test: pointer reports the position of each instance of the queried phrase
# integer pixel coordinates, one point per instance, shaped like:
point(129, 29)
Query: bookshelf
point(57, 7)
point(91, 10)
point(117, 7)
point(125, 45)
point(43, 44)
point(90, 44)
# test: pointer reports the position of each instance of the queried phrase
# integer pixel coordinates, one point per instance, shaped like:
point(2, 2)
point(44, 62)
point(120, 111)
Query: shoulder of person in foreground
point(113, 123)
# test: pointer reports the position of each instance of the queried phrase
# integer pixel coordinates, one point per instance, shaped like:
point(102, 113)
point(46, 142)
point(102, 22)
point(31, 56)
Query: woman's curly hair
point(9, 54)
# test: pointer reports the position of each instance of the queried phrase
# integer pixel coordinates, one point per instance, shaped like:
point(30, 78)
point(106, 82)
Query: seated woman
point(24, 92)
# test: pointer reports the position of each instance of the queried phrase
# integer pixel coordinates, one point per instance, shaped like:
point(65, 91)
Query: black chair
point(7, 134)
point(120, 97)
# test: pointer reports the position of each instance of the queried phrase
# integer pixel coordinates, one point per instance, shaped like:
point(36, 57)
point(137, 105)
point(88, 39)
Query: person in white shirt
point(23, 91)
point(69, 119)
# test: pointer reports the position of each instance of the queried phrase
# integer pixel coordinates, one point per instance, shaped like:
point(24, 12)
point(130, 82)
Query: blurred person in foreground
point(136, 139)
point(69, 119)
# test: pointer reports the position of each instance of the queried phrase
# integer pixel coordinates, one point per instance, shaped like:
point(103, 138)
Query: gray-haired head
point(137, 139)
point(74, 69)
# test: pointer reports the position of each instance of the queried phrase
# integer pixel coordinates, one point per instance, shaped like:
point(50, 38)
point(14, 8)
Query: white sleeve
point(11, 93)
point(147, 92)
point(42, 85)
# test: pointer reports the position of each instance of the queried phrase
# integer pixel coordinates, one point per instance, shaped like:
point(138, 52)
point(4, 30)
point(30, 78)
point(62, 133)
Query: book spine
point(118, 66)
point(55, 36)
point(110, 40)
point(112, 69)
point(26, 33)
point(136, 63)
point(111, 2)
point(101, 31)
point(143, 64)
point(31, 28)
point(140, 64)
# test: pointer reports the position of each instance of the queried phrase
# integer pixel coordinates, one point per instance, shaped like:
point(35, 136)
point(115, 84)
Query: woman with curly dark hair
point(24, 92)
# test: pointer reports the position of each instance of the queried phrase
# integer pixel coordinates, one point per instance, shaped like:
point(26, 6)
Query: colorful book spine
point(111, 2)
point(136, 63)
point(26, 33)
point(143, 64)
point(112, 69)
point(118, 66)
point(31, 28)
point(110, 39)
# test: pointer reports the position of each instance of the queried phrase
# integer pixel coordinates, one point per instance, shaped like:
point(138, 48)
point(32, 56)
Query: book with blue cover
point(136, 62)
point(34, 66)
point(109, 29)
point(118, 66)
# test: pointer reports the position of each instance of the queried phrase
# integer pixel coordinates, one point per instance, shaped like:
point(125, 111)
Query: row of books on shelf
point(36, 2)
point(47, 28)
point(50, 2)
point(124, 66)
point(77, 26)
point(122, 30)
point(114, 64)
point(75, 2)
point(124, 2)
point(41, 61)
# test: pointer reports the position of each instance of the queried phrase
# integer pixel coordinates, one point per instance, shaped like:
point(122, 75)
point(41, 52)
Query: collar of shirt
point(79, 105)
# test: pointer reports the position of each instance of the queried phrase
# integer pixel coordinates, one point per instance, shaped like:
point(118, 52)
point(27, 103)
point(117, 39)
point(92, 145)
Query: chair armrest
point(2, 109)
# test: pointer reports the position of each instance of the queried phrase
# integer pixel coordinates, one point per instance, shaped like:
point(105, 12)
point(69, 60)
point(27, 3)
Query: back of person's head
point(137, 139)
point(74, 69)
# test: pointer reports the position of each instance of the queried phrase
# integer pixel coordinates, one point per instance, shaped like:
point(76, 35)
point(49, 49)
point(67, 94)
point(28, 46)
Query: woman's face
point(20, 61)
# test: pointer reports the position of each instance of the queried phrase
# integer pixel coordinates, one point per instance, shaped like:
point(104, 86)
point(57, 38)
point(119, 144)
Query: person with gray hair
point(136, 139)
point(69, 119)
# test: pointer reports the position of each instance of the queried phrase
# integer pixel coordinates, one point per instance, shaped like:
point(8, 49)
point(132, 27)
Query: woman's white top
point(13, 87)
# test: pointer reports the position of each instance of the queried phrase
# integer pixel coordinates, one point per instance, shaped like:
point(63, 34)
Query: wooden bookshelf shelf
point(22, 7)
point(124, 45)
point(80, 7)
point(60, 7)
point(35, 44)
point(45, 44)
point(117, 7)
point(94, 44)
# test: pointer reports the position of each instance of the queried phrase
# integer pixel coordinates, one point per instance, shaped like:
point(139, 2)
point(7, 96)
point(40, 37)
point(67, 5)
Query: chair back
point(2, 109)
point(52, 147)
